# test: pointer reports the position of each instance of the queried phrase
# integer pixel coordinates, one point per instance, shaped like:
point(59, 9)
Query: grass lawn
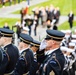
point(10, 21)
point(65, 26)
point(65, 6)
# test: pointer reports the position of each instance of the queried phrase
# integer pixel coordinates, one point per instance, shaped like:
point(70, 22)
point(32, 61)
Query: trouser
point(71, 24)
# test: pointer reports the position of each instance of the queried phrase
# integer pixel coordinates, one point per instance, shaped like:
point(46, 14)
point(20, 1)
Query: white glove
point(43, 44)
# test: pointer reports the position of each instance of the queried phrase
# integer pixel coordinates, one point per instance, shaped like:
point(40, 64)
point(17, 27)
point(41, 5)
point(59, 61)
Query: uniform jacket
point(3, 61)
point(24, 63)
point(13, 55)
point(53, 63)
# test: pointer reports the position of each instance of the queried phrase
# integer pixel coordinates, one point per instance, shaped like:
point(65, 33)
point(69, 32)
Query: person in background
point(19, 27)
point(10, 2)
point(70, 19)
point(25, 30)
point(22, 14)
point(3, 3)
point(35, 25)
point(6, 25)
point(48, 24)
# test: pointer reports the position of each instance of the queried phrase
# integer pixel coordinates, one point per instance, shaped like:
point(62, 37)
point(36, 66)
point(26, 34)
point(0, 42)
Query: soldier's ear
point(53, 42)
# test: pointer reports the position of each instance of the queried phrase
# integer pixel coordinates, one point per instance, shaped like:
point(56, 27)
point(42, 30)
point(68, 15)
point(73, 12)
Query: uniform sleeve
point(3, 64)
point(53, 67)
point(40, 56)
point(20, 67)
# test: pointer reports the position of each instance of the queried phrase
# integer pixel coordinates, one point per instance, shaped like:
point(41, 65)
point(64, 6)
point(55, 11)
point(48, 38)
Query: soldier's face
point(21, 45)
point(34, 49)
point(49, 44)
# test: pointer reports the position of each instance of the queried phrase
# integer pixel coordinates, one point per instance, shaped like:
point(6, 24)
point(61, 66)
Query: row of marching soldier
point(68, 48)
point(35, 58)
point(31, 57)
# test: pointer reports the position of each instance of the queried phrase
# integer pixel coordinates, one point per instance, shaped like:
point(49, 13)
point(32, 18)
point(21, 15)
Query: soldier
point(11, 50)
point(34, 47)
point(54, 60)
point(66, 69)
point(71, 60)
point(3, 61)
point(26, 56)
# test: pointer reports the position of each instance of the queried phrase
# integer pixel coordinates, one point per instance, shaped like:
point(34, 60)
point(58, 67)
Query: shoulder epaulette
point(23, 56)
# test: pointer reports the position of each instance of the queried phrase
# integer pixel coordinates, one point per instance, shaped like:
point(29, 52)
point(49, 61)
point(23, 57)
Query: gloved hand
point(43, 45)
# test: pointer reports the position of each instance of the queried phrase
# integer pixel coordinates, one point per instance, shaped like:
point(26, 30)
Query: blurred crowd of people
point(46, 16)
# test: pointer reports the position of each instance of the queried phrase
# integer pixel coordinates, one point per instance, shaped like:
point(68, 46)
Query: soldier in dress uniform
point(73, 57)
point(34, 47)
point(3, 61)
point(11, 50)
point(71, 60)
point(53, 63)
point(66, 69)
point(26, 55)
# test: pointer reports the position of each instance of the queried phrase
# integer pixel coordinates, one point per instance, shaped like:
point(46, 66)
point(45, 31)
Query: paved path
point(13, 8)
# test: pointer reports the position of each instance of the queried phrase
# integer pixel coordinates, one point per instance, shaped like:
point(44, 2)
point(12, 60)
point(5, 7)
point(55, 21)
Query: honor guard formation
point(54, 55)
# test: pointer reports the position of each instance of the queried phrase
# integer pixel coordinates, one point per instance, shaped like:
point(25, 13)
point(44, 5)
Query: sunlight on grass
point(65, 26)
point(10, 21)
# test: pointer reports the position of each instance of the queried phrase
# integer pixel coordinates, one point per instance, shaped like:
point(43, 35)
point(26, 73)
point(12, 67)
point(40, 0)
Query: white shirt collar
point(34, 53)
point(6, 45)
point(50, 51)
point(20, 51)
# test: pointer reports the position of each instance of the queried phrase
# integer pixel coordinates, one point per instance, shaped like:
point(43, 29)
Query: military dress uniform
point(35, 64)
point(65, 69)
point(74, 64)
point(54, 60)
point(53, 64)
point(25, 60)
point(11, 51)
point(3, 61)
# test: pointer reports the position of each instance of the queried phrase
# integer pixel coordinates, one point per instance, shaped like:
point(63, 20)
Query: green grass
point(66, 26)
point(65, 6)
point(10, 21)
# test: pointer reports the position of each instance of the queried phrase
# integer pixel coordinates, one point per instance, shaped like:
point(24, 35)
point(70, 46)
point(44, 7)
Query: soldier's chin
point(46, 49)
